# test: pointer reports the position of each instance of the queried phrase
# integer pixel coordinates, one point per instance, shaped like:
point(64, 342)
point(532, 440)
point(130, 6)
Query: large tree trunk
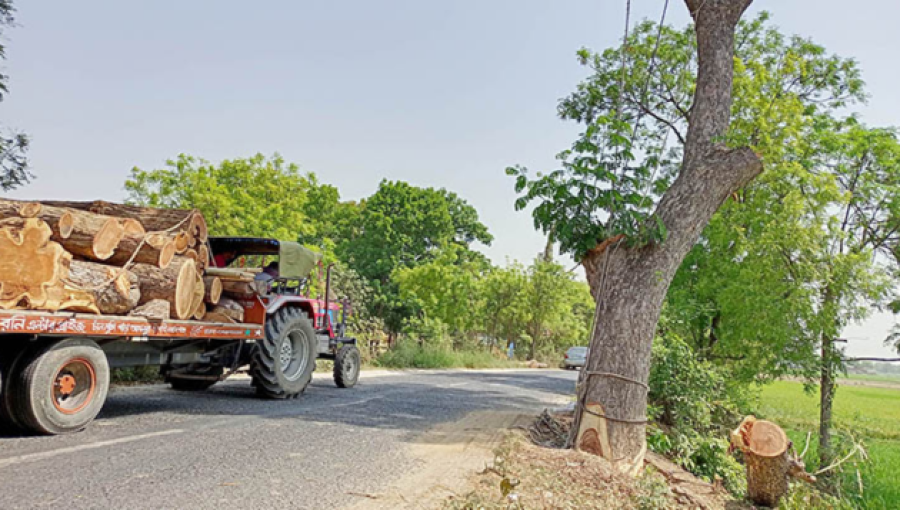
point(629, 284)
point(174, 284)
point(155, 249)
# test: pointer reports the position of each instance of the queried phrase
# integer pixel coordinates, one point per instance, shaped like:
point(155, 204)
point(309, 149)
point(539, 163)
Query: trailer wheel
point(10, 365)
point(346, 366)
point(60, 388)
point(283, 362)
point(189, 381)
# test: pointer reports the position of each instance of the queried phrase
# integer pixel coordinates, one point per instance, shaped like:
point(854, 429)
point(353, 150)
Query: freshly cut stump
point(769, 463)
point(174, 284)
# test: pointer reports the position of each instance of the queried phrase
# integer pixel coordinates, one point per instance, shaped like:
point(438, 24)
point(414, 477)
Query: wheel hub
point(66, 384)
point(287, 353)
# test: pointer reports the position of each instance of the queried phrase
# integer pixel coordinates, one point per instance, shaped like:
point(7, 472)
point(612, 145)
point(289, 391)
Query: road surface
point(152, 447)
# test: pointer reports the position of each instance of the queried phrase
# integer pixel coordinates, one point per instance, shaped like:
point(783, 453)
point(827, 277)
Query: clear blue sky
point(443, 94)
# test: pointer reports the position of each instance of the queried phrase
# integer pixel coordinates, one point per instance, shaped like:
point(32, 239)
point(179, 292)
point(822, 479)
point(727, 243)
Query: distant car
point(574, 358)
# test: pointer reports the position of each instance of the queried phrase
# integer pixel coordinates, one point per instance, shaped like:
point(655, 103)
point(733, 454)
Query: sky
point(443, 94)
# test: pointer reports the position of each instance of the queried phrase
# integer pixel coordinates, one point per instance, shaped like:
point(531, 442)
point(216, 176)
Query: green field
point(870, 414)
point(876, 378)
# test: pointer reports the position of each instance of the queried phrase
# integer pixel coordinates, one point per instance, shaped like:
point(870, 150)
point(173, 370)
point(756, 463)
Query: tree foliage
point(255, 196)
point(13, 145)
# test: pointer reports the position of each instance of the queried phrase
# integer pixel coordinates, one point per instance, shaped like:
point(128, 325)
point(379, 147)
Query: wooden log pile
point(113, 259)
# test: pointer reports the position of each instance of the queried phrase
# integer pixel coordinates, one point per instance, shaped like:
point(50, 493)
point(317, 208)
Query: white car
point(574, 358)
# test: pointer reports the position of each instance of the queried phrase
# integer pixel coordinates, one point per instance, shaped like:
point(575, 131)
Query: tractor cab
point(288, 291)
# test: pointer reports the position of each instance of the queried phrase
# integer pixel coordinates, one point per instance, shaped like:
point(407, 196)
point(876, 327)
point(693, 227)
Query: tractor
point(298, 328)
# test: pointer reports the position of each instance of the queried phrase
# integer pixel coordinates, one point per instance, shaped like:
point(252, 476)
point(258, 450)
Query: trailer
point(55, 366)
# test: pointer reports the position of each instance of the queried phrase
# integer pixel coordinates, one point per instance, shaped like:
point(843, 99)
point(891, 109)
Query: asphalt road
point(152, 447)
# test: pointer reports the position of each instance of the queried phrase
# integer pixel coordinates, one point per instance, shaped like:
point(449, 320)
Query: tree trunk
point(14, 213)
point(156, 309)
point(113, 290)
point(826, 400)
point(88, 235)
point(630, 283)
point(29, 263)
point(174, 284)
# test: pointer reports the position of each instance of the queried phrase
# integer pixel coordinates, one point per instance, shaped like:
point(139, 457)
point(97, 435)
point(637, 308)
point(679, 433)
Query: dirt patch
point(446, 456)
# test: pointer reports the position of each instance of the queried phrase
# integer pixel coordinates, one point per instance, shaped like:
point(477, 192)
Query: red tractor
point(298, 329)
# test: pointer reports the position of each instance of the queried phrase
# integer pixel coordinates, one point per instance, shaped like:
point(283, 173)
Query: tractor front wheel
point(283, 362)
point(346, 366)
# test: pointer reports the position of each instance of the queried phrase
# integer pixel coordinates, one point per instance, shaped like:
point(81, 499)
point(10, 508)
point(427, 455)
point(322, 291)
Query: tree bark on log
point(114, 290)
point(629, 283)
point(155, 309)
point(229, 308)
point(14, 213)
point(188, 220)
point(770, 465)
point(157, 250)
point(174, 284)
point(30, 263)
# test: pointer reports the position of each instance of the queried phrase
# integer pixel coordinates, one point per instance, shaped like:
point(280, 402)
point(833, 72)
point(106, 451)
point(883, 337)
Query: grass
point(411, 355)
point(875, 378)
point(870, 414)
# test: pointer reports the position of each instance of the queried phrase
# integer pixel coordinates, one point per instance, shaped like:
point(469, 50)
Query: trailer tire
point(346, 366)
point(283, 361)
point(10, 363)
point(61, 387)
point(190, 384)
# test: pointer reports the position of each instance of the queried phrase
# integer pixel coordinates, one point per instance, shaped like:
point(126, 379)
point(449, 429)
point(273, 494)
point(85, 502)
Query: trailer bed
point(130, 328)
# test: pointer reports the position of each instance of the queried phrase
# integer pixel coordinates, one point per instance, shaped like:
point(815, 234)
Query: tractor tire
point(346, 366)
point(283, 362)
point(61, 387)
point(180, 383)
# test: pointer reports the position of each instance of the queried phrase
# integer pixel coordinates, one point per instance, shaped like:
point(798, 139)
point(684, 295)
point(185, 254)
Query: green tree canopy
point(254, 196)
point(13, 145)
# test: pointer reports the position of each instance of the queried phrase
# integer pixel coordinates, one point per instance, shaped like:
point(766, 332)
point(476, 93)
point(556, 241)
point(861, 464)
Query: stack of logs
point(112, 259)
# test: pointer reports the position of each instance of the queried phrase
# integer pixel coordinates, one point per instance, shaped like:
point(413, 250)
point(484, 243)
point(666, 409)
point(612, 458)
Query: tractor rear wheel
point(61, 387)
point(283, 362)
point(346, 366)
point(195, 378)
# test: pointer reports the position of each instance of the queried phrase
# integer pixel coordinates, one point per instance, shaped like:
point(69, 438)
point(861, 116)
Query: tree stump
point(770, 464)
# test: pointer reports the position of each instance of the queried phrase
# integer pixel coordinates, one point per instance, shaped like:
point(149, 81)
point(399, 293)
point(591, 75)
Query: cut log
point(85, 234)
point(29, 263)
point(175, 284)
point(189, 220)
point(231, 274)
point(203, 255)
point(182, 242)
point(218, 317)
point(59, 220)
point(240, 289)
point(770, 464)
point(198, 306)
point(61, 297)
point(156, 309)
point(132, 226)
point(157, 250)
point(114, 290)
point(229, 308)
point(213, 289)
